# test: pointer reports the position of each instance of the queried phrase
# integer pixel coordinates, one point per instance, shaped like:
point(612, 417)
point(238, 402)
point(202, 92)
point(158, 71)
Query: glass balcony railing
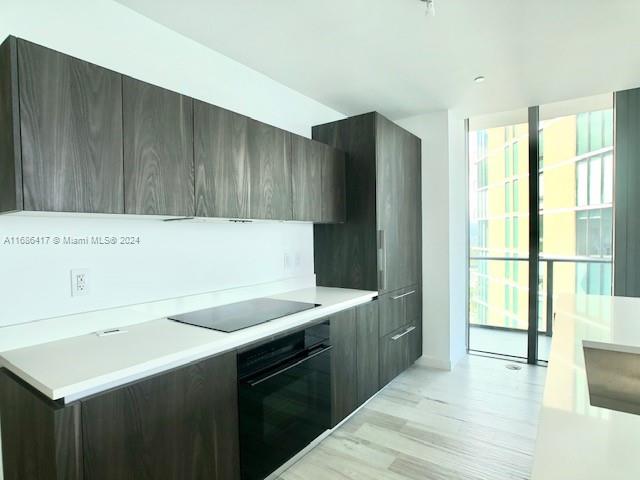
point(499, 310)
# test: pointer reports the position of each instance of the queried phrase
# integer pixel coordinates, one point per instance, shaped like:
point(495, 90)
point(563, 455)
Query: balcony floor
point(506, 342)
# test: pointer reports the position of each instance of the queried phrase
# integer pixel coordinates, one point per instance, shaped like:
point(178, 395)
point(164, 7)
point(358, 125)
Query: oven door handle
point(311, 354)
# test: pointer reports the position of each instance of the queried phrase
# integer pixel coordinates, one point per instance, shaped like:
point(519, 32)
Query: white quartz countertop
point(75, 367)
point(575, 439)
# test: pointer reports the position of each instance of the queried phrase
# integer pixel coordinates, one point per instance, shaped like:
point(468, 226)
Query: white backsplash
point(172, 259)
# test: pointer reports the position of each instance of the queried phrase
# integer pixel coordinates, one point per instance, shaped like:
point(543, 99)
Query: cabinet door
point(344, 395)
point(345, 255)
point(411, 254)
point(393, 309)
point(158, 150)
point(367, 346)
point(71, 125)
point(40, 439)
point(221, 162)
point(270, 182)
point(395, 352)
point(307, 159)
point(10, 157)
point(333, 186)
point(398, 204)
point(177, 425)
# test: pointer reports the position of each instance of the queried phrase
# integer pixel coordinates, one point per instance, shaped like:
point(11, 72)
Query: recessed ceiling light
point(479, 79)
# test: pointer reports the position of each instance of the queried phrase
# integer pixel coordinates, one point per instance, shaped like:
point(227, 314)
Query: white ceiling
point(387, 55)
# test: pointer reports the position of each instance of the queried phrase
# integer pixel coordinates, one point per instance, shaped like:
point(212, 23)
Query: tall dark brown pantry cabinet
point(379, 246)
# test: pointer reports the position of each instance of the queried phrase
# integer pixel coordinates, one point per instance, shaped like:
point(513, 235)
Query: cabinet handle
point(382, 260)
point(400, 335)
point(403, 295)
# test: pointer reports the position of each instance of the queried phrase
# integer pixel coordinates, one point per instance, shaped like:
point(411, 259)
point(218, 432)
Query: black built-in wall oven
point(284, 394)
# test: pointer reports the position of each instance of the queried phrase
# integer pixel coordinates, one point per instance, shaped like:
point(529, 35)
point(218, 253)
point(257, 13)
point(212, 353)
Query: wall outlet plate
point(79, 282)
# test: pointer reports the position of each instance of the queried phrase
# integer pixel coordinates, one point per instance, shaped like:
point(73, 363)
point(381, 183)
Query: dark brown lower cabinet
point(184, 423)
point(177, 425)
point(395, 353)
point(41, 440)
point(399, 308)
point(354, 360)
point(400, 331)
point(344, 394)
point(367, 347)
point(392, 312)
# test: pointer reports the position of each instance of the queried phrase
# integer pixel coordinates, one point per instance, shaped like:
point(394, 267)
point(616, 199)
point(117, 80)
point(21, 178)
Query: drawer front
point(395, 353)
point(393, 309)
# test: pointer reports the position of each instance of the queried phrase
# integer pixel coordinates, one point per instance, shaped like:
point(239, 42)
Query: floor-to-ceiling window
point(576, 211)
point(499, 235)
point(574, 176)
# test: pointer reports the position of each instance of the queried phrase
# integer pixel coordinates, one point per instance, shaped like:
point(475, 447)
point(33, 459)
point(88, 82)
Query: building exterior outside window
point(575, 202)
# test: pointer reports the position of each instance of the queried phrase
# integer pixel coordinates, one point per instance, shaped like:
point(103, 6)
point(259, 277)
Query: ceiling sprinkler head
point(430, 7)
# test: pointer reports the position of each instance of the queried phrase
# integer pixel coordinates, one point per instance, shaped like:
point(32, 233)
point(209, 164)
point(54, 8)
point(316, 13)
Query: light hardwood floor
point(476, 422)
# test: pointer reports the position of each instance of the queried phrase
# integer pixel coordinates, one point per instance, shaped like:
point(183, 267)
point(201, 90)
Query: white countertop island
point(82, 365)
point(578, 441)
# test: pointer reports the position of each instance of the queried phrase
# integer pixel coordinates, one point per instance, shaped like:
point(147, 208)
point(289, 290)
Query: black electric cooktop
point(236, 316)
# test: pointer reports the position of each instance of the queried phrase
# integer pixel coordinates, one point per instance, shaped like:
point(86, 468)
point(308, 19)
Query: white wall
point(443, 235)
point(458, 237)
point(111, 35)
point(174, 258)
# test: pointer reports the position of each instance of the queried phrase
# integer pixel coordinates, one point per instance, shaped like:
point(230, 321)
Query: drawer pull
point(403, 295)
point(400, 335)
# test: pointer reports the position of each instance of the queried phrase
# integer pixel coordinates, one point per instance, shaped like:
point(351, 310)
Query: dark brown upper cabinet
point(158, 150)
point(222, 165)
point(10, 156)
point(243, 167)
point(268, 149)
point(76, 137)
point(379, 246)
point(318, 181)
point(71, 133)
point(307, 158)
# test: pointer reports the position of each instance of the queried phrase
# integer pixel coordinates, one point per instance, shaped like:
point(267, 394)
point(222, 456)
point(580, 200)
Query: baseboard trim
point(434, 362)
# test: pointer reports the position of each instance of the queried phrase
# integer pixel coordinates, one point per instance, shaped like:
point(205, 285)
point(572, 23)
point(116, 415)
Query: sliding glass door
point(499, 236)
point(513, 280)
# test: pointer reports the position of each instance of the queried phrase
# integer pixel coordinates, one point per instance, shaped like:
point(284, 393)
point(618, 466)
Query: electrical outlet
point(79, 282)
